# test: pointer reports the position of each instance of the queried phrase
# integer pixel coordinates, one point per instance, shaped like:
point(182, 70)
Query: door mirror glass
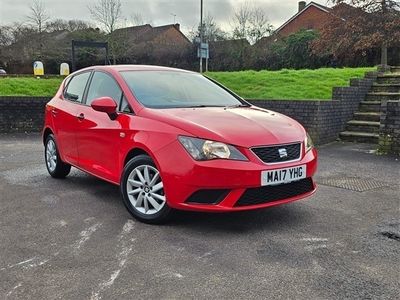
point(106, 105)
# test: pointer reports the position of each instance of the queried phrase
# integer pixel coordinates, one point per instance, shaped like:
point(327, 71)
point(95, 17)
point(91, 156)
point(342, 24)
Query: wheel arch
point(138, 150)
point(46, 133)
point(133, 153)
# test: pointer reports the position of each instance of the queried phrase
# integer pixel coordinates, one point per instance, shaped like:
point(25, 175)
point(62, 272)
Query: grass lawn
point(29, 86)
point(287, 84)
point(284, 84)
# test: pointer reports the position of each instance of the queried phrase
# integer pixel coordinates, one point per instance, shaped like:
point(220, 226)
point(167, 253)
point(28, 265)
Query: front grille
point(273, 193)
point(271, 154)
point(207, 196)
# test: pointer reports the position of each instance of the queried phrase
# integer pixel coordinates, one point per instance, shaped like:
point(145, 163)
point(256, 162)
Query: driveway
point(73, 238)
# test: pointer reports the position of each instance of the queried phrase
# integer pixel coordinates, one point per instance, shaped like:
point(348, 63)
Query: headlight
point(201, 149)
point(308, 143)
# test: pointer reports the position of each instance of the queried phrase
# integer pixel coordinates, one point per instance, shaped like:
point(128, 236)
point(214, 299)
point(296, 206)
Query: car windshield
point(172, 89)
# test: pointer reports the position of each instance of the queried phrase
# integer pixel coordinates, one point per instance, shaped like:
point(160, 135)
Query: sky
point(156, 12)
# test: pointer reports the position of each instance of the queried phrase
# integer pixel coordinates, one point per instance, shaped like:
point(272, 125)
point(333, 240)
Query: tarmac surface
point(73, 238)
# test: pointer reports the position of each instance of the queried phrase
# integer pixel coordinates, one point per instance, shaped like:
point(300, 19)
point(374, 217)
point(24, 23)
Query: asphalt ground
point(73, 238)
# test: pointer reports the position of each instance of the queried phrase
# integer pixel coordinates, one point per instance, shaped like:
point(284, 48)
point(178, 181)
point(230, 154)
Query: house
point(311, 16)
point(140, 38)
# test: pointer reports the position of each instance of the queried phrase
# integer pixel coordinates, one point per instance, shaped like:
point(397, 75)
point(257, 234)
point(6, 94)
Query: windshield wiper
point(203, 105)
point(237, 105)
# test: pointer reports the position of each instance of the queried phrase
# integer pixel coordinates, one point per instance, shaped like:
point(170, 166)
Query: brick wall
point(21, 114)
point(390, 127)
point(324, 120)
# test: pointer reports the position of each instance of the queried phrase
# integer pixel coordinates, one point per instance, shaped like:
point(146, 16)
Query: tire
point(55, 166)
point(142, 191)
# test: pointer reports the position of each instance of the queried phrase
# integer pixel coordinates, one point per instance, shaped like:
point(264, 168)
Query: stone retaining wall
point(22, 114)
point(390, 127)
point(323, 119)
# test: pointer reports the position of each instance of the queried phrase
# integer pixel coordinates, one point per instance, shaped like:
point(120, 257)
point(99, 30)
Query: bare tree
point(22, 41)
point(259, 26)
point(6, 35)
point(37, 18)
point(57, 25)
point(21, 32)
point(38, 15)
point(251, 23)
point(108, 13)
point(69, 25)
point(211, 30)
point(241, 21)
point(74, 25)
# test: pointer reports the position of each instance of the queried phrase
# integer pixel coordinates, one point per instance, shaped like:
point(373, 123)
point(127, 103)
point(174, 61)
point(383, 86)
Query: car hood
point(241, 126)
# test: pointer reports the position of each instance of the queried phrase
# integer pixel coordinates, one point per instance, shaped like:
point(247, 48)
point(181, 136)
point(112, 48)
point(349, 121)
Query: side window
point(124, 106)
point(76, 87)
point(103, 85)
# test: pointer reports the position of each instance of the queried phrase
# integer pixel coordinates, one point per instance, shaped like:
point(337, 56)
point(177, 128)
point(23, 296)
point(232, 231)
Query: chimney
point(177, 26)
point(302, 5)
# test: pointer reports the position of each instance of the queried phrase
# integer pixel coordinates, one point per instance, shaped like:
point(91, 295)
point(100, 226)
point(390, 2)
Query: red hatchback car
point(174, 139)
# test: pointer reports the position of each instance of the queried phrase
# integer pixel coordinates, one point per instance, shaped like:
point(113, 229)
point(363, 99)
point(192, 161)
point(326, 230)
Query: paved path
point(73, 238)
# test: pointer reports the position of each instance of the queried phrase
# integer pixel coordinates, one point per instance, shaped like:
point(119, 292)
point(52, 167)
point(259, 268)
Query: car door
point(98, 136)
point(64, 115)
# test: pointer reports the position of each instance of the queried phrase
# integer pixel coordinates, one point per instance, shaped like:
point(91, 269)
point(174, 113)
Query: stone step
point(363, 126)
point(359, 137)
point(388, 78)
point(370, 106)
point(382, 96)
point(386, 88)
point(395, 69)
point(367, 116)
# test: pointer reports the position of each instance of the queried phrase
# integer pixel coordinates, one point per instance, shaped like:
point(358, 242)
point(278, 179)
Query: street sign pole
point(201, 34)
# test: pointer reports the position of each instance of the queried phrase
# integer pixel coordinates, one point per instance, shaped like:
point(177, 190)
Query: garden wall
point(22, 114)
point(390, 127)
point(324, 120)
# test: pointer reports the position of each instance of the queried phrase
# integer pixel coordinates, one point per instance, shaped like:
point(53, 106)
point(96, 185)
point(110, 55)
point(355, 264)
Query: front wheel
point(142, 191)
point(55, 166)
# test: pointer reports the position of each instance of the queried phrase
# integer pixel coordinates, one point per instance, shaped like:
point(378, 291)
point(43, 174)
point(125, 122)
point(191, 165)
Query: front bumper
point(226, 182)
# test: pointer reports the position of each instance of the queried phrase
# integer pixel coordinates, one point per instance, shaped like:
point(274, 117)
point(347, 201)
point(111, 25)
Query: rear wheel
point(55, 166)
point(142, 191)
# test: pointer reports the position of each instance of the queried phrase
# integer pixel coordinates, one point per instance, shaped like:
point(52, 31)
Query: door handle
point(81, 116)
point(54, 112)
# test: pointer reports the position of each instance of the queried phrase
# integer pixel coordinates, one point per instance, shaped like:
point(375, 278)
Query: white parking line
point(13, 289)
point(85, 236)
point(122, 256)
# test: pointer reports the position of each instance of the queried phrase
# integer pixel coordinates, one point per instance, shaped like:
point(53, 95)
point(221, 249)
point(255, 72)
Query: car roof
point(121, 68)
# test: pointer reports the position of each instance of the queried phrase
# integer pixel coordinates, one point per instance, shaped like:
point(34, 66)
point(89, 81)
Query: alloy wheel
point(51, 155)
point(145, 190)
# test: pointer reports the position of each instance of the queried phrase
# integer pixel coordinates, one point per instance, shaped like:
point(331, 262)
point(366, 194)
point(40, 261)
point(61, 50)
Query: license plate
point(286, 175)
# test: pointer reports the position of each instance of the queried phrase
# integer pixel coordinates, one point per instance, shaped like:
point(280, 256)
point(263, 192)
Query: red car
point(174, 139)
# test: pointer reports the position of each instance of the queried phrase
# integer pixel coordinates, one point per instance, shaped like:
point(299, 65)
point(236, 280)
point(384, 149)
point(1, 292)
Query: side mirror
point(106, 105)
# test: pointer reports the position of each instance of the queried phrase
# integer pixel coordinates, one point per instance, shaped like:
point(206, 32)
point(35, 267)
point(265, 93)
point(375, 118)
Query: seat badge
point(282, 153)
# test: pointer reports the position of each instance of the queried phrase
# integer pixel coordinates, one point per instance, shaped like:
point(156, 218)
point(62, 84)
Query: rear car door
point(64, 116)
point(98, 136)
